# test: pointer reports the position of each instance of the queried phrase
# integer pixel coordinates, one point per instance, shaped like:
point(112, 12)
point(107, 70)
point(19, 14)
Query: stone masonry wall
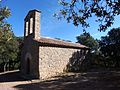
point(30, 51)
point(53, 60)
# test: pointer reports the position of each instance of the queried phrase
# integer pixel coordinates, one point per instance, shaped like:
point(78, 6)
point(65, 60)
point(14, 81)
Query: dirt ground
point(104, 80)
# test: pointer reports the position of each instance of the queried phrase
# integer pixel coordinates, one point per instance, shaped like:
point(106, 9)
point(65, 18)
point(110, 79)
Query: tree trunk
point(4, 67)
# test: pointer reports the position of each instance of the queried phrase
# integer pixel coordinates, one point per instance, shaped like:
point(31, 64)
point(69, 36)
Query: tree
point(20, 46)
point(79, 11)
point(94, 56)
point(110, 48)
point(88, 40)
point(8, 42)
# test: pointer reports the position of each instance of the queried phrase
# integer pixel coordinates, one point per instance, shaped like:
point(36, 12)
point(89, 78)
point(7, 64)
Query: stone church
point(46, 57)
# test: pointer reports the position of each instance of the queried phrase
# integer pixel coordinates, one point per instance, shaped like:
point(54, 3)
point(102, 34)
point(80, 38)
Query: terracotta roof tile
point(60, 43)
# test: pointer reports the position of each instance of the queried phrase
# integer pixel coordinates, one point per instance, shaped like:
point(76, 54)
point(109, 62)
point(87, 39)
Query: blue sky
point(50, 26)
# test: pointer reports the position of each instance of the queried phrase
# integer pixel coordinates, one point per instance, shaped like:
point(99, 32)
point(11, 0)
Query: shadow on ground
point(12, 76)
point(85, 81)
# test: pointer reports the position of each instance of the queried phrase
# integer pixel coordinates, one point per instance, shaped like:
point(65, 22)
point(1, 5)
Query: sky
point(50, 26)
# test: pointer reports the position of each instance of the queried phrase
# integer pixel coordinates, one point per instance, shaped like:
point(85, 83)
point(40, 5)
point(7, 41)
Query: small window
point(28, 66)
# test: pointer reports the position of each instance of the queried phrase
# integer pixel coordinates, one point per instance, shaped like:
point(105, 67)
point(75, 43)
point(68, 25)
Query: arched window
point(28, 59)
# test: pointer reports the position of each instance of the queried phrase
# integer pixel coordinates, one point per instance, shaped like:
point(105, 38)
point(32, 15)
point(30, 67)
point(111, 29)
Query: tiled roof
point(59, 43)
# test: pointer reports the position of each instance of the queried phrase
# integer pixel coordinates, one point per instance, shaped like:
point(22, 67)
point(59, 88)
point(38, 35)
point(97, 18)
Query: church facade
point(46, 57)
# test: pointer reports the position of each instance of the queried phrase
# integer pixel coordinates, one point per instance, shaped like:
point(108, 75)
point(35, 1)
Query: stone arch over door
point(28, 59)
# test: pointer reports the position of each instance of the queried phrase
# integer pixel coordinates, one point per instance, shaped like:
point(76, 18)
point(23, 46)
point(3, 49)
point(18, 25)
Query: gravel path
point(109, 80)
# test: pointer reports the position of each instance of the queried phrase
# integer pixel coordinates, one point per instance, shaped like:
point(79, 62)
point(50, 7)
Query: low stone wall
point(54, 60)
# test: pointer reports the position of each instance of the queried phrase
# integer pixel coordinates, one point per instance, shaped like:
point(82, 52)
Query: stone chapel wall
point(30, 51)
point(54, 60)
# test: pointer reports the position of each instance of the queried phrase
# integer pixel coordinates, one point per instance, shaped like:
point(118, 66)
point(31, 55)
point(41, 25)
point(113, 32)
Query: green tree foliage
point(79, 11)
point(110, 48)
point(88, 40)
point(94, 56)
point(8, 42)
point(20, 41)
point(4, 13)
point(8, 52)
